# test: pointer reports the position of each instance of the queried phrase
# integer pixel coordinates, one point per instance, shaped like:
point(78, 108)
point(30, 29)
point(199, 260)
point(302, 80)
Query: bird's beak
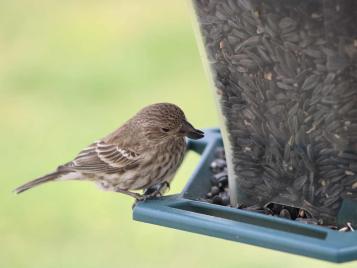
point(189, 131)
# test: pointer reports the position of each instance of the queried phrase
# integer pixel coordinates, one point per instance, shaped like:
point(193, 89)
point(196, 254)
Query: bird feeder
point(284, 74)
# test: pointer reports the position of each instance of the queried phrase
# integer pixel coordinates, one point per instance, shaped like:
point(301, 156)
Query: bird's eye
point(165, 129)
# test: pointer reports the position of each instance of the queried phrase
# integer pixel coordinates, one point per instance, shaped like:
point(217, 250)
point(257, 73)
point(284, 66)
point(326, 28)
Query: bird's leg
point(135, 195)
point(156, 189)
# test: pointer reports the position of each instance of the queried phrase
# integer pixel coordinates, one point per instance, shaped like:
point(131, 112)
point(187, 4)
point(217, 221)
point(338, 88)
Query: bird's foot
point(155, 190)
point(152, 192)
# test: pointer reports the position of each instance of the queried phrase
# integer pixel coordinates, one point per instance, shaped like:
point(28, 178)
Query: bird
point(143, 154)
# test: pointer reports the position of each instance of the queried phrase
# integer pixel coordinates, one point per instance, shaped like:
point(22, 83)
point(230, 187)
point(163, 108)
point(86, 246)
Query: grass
point(70, 72)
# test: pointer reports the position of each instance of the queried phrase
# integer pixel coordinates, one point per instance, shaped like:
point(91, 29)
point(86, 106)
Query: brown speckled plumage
point(145, 151)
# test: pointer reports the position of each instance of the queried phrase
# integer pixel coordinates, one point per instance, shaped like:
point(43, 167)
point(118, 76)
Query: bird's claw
point(154, 191)
point(146, 197)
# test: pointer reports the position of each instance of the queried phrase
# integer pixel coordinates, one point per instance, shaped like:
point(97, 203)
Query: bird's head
point(163, 121)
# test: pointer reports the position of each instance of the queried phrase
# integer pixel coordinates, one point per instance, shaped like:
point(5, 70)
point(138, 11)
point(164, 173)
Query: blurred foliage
point(70, 72)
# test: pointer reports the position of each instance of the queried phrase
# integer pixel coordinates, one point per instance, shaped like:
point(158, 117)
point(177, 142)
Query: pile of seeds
point(219, 195)
point(285, 72)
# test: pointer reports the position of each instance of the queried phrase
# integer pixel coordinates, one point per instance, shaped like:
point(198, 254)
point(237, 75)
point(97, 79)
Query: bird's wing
point(104, 157)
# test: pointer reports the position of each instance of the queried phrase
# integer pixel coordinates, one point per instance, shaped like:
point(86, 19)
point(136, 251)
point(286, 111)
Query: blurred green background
point(70, 72)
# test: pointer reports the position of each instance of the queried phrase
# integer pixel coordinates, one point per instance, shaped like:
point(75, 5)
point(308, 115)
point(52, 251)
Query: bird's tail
point(49, 177)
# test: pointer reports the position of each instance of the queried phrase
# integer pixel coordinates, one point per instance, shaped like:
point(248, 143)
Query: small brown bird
point(143, 154)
